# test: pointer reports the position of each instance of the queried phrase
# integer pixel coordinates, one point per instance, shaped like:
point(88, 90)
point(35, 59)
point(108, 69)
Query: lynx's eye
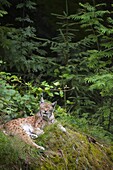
point(47, 115)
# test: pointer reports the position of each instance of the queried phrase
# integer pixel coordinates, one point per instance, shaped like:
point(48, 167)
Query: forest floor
point(71, 150)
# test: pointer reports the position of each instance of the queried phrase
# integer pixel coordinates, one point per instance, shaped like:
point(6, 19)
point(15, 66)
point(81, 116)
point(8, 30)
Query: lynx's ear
point(42, 99)
point(54, 103)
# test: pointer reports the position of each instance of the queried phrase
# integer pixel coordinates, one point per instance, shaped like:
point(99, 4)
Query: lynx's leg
point(35, 133)
point(27, 139)
point(38, 131)
point(31, 131)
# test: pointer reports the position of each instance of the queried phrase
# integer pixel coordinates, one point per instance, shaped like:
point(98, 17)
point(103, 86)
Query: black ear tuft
point(54, 103)
point(42, 99)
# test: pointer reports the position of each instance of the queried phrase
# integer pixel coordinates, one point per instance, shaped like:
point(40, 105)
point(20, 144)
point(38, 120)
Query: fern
point(2, 13)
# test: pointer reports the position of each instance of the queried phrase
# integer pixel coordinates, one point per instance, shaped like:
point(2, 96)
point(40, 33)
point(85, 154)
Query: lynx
point(31, 126)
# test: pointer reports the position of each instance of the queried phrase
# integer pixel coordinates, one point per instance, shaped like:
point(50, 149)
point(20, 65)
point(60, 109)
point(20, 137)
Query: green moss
point(109, 152)
point(64, 151)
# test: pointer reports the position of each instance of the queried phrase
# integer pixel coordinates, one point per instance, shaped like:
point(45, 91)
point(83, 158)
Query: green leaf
point(61, 93)
point(1, 105)
point(21, 5)
point(2, 13)
point(56, 83)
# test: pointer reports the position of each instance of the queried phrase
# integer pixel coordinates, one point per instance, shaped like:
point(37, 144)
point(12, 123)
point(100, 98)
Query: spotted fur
point(31, 126)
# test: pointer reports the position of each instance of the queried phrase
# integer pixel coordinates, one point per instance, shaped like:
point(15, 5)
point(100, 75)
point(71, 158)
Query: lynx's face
point(46, 111)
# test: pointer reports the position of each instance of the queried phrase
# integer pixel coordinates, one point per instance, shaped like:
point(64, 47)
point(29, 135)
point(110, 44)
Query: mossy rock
point(64, 151)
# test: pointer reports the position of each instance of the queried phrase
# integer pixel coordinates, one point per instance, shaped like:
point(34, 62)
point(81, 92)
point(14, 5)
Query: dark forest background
point(63, 49)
